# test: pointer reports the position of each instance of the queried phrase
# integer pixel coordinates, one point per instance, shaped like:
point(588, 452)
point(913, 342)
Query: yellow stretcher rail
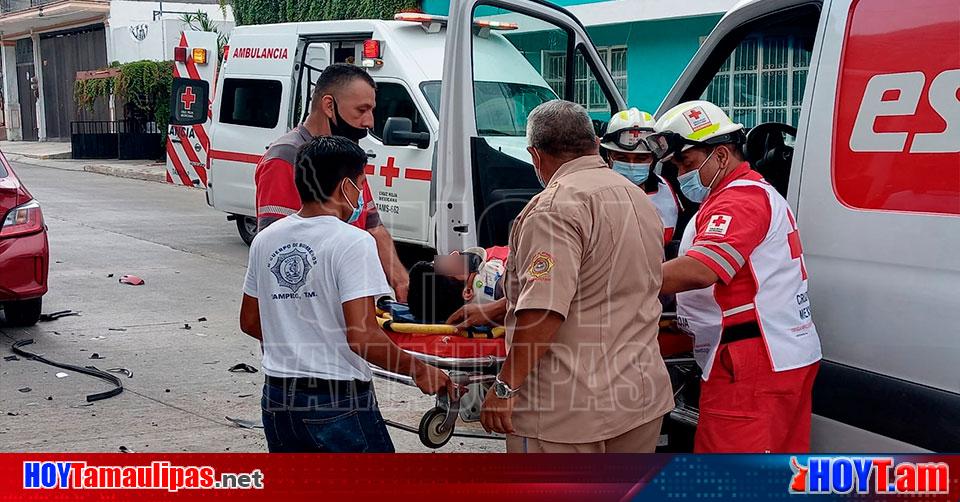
point(386, 322)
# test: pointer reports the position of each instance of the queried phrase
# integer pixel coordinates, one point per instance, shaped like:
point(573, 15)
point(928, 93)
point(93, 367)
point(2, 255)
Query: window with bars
point(586, 90)
point(762, 81)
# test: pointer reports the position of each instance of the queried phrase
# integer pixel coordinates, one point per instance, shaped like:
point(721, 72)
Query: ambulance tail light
point(180, 54)
point(371, 49)
point(200, 56)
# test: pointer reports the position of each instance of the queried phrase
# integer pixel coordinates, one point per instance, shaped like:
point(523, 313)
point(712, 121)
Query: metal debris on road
point(131, 280)
point(88, 370)
point(11, 358)
point(122, 371)
point(25, 389)
point(124, 449)
point(96, 356)
point(202, 319)
point(116, 329)
point(186, 326)
point(62, 375)
point(244, 395)
point(109, 276)
point(242, 368)
point(53, 316)
point(245, 424)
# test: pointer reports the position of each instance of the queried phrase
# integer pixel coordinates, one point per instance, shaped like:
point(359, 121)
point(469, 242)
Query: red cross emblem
point(635, 133)
point(719, 221)
point(694, 114)
point(389, 172)
point(188, 98)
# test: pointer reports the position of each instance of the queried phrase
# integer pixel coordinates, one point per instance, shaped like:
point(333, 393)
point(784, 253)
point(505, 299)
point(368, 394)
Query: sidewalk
point(56, 155)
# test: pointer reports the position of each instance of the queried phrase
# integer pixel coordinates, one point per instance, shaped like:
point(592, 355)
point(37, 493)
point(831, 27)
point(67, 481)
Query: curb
point(120, 172)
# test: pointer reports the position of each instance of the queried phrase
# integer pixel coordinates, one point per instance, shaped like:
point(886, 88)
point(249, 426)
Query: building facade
point(646, 44)
point(44, 43)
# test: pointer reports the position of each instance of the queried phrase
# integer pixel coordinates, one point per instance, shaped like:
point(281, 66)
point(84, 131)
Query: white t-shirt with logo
point(302, 270)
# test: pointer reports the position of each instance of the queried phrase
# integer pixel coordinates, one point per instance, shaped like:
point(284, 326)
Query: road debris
point(201, 335)
point(122, 371)
point(96, 356)
point(244, 424)
point(131, 280)
point(24, 389)
point(88, 370)
point(11, 358)
point(212, 362)
point(109, 276)
point(116, 329)
point(244, 395)
point(242, 368)
point(53, 316)
point(124, 449)
point(202, 319)
point(62, 375)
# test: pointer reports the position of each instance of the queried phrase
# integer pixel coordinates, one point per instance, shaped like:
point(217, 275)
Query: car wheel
point(22, 313)
point(247, 227)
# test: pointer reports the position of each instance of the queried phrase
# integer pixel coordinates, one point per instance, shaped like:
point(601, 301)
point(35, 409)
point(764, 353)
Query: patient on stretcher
point(441, 287)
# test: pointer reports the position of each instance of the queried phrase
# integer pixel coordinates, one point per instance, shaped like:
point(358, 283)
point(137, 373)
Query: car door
point(497, 58)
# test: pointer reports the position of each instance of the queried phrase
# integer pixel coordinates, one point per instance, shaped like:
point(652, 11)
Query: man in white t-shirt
point(309, 298)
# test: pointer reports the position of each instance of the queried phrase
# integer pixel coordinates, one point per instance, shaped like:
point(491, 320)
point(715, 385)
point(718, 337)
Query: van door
point(251, 110)
point(400, 176)
point(502, 59)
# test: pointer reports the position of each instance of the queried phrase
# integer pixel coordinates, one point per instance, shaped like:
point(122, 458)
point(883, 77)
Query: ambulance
point(852, 110)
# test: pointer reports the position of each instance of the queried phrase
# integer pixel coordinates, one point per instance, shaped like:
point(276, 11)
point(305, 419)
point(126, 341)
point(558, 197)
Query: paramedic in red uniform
point(628, 155)
point(741, 290)
point(344, 95)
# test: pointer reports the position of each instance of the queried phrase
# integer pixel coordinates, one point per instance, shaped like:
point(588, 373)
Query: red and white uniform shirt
point(277, 194)
point(668, 205)
point(746, 233)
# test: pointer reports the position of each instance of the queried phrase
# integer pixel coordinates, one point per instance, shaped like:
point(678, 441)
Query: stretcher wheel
point(430, 434)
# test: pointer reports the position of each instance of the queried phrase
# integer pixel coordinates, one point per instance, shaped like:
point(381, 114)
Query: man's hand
point(431, 380)
point(473, 314)
point(402, 288)
point(495, 416)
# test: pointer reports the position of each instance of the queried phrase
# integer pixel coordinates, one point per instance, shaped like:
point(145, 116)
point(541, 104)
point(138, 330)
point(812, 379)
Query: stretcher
point(473, 360)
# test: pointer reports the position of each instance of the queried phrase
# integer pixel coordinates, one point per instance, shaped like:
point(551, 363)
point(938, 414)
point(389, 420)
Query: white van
point(265, 85)
point(854, 114)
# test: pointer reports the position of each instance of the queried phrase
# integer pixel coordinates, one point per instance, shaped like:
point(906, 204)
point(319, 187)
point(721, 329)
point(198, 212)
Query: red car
point(24, 252)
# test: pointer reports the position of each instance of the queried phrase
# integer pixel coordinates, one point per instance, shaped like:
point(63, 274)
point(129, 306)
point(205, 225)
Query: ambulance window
point(502, 108)
point(758, 73)
point(393, 100)
point(251, 102)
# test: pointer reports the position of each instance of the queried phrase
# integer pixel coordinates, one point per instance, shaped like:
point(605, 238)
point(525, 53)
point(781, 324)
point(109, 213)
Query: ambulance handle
point(371, 155)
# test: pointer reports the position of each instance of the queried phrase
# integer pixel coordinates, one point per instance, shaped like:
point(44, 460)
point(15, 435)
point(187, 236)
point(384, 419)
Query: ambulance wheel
point(430, 434)
point(247, 227)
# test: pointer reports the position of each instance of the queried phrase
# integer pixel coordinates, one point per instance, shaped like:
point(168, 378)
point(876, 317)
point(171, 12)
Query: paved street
point(193, 263)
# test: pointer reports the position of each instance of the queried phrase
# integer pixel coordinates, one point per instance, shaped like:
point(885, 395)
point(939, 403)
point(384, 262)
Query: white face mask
point(536, 171)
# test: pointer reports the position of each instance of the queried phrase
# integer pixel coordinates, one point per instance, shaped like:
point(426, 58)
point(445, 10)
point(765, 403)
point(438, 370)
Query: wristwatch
point(502, 390)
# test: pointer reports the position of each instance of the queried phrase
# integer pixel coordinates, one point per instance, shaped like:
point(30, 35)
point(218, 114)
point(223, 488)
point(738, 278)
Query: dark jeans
point(321, 421)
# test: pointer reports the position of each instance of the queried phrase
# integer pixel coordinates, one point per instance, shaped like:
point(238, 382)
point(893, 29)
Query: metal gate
point(26, 77)
point(63, 54)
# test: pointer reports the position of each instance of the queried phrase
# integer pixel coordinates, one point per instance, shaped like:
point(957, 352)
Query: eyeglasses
point(668, 143)
point(628, 139)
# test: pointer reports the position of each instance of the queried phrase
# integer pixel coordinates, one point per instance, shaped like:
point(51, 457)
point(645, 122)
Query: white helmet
point(690, 124)
point(626, 130)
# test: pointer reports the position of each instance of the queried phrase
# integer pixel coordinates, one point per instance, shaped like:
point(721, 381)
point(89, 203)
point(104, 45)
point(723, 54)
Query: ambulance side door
point(400, 174)
point(502, 59)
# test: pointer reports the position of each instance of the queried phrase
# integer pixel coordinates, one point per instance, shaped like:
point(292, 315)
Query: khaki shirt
point(589, 247)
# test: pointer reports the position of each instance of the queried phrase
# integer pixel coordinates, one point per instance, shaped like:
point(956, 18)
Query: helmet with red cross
point(626, 130)
point(691, 124)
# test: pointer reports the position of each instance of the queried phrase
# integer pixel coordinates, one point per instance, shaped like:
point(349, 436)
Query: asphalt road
point(193, 264)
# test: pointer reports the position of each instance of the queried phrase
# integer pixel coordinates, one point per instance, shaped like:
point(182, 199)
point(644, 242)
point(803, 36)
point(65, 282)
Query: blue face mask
point(355, 215)
point(692, 187)
point(635, 172)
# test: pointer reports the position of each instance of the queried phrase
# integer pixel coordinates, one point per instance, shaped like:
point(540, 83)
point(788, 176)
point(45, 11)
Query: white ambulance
point(265, 85)
point(853, 113)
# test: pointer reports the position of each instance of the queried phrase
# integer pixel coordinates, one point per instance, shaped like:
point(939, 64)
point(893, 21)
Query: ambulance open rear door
point(484, 174)
point(188, 138)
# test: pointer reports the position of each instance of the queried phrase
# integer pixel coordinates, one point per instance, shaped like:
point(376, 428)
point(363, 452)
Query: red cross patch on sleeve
point(718, 224)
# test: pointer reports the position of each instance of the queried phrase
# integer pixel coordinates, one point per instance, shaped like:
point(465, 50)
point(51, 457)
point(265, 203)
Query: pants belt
point(319, 384)
point(739, 332)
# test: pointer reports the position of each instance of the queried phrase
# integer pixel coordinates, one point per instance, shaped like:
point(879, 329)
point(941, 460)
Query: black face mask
point(342, 128)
